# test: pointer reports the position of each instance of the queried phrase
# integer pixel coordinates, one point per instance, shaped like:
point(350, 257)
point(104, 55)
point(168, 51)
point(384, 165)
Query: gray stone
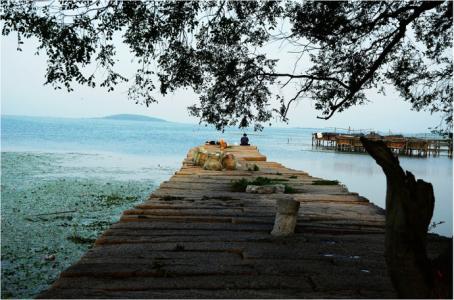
point(286, 217)
point(287, 206)
point(265, 189)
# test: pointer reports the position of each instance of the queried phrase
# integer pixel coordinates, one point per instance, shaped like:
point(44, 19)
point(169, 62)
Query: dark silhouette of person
point(244, 140)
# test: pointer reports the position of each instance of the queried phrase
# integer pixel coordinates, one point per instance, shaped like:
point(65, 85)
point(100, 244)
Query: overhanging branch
point(354, 89)
point(305, 76)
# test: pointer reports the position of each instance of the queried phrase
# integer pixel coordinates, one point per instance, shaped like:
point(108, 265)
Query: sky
point(23, 93)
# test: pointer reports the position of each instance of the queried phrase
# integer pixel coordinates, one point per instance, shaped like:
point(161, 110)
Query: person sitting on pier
point(244, 140)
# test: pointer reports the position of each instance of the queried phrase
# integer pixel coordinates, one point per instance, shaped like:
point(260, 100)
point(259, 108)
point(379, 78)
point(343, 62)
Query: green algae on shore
point(50, 219)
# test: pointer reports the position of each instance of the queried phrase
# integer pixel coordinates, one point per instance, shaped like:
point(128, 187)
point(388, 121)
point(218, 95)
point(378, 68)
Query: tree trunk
point(409, 209)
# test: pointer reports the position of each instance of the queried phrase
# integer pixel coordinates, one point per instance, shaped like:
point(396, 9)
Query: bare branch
point(305, 76)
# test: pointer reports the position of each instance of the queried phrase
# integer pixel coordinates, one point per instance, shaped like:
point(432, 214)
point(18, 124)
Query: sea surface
point(64, 181)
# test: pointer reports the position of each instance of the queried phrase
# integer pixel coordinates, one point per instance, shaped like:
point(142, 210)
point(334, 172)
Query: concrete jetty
point(196, 238)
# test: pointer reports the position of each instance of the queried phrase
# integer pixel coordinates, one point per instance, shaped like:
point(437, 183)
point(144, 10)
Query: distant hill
point(126, 117)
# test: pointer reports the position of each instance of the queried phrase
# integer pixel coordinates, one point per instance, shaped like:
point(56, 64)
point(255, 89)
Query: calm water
point(136, 149)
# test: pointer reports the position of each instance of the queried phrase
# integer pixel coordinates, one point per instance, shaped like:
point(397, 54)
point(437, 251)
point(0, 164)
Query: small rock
point(49, 257)
point(329, 242)
point(328, 255)
point(265, 189)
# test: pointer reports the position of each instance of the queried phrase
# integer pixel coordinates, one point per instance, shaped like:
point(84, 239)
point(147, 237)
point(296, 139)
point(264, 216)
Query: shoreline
point(50, 217)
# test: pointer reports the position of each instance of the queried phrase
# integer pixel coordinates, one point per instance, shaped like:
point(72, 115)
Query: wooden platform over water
point(409, 146)
point(195, 238)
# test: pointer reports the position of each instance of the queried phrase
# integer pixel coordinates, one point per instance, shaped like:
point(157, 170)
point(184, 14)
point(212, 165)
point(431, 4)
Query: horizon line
point(199, 124)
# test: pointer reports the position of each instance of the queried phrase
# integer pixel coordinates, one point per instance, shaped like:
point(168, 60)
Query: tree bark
point(409, 209)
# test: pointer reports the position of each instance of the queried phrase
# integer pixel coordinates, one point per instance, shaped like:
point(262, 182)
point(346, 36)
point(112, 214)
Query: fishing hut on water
point(399, 144)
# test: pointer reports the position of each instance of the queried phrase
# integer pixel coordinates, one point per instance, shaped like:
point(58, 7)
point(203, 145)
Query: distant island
point(127, 117)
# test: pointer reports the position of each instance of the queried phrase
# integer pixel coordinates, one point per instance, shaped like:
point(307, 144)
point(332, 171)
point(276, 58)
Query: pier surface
point(195, 238)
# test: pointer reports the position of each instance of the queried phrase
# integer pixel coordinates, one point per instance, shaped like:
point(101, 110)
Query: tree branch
point(292, 76)
point(427, 5)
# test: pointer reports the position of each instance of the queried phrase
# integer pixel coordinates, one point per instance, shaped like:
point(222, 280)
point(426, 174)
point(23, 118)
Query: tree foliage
point(218, 48)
